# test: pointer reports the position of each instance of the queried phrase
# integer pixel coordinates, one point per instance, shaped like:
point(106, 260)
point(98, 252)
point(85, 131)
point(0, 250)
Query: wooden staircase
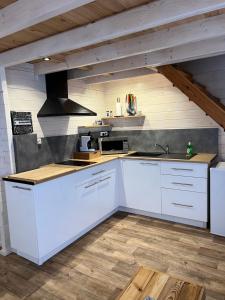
point(195, 92)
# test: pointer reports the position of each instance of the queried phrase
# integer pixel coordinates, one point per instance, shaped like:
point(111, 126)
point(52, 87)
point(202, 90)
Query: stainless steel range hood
point(58, 103)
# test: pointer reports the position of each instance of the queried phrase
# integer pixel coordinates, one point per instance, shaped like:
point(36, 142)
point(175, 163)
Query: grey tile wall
point(29, 155)
point(203, 140)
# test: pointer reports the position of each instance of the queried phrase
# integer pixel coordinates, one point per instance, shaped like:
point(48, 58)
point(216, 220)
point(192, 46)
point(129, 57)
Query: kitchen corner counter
point(53, 171)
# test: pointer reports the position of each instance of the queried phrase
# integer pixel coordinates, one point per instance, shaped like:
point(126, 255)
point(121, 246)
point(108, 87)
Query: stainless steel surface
point(181, 183)
point(184, 205)
point(146, 154)
point(166, 150)
point(99, 172)
point(161, 155)
point(177, 156)
point(21, 188)
point(113, 145)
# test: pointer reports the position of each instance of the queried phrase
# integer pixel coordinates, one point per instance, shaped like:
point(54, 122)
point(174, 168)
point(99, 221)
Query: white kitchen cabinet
point(184, 188)
point(106, 192)
point(22, 221)
point(184, 204)
point(141, 180)
point(46, 217)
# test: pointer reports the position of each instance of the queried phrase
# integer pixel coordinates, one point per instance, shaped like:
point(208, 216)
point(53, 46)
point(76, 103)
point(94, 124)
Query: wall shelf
point(127, 121)
point(95, 128)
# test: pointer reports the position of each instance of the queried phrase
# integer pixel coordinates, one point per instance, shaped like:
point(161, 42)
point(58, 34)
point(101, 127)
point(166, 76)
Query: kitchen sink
point(148, 154)
point(76, 163)
point(161, 155)
point(176, 156)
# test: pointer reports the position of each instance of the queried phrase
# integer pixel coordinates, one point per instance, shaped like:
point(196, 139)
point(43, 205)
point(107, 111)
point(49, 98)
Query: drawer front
point(184, 204)
point(184, 169)
point(193, 184)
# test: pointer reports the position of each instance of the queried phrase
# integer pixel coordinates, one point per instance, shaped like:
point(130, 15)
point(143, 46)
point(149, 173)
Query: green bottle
point(189, 149)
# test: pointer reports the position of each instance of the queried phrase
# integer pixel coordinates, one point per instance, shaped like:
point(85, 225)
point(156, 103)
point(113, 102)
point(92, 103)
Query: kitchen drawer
point(193, 184)
point(184, 169)
point(184, 204)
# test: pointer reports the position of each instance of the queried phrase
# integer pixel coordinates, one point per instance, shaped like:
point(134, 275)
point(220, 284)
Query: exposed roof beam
point(119, 76)
point(25, 13)
point(144, 17)
point(182, 53)
point(162, 39)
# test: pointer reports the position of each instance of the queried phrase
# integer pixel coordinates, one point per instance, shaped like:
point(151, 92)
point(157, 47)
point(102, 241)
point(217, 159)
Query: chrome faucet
point(166, 149)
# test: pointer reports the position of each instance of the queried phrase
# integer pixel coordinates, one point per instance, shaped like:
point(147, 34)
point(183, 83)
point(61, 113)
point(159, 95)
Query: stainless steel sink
point(76, 163)
point(146, 154)
point(176, 156)
point(161, 155)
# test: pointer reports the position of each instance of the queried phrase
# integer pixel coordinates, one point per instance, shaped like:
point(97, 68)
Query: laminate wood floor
point(98, 266)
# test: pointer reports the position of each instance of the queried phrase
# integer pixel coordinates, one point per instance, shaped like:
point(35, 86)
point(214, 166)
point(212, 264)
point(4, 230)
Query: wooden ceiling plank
point(119, 76)
point(148, 42)
point(192, 51)
point(25, 13)
point(146, 17)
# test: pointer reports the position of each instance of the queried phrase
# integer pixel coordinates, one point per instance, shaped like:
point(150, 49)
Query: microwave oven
point(113, 145)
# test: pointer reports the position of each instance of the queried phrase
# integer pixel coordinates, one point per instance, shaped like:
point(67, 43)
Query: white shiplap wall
point(27, 93)
point(6, 158)
point(163, 105)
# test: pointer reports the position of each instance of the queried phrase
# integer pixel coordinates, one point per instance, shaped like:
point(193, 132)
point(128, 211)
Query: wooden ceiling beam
point(25, 13)
point(144, 17)
point(119, 76)
point(192, 51)
point(148, 42)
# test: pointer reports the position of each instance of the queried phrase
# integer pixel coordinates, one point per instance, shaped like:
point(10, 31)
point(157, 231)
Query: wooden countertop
point(149, 284)
point(53, 171)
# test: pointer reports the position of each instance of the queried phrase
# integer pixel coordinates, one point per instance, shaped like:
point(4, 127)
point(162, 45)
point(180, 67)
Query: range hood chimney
point(58, 103)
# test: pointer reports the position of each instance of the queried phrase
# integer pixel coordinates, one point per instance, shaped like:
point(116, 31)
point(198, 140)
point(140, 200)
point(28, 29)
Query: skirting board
point(195, 223)
point(41, 260)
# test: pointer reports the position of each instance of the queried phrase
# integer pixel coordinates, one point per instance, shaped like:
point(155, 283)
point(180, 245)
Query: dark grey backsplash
point(26, 152)
point(29, 155)
point(203, 140)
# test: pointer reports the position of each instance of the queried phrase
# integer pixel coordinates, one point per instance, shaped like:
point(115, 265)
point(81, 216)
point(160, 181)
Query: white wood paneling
point(6, 158)
point(29, 90)
point(163, 105)
point(146, 17)
point(149, 42)
point(25, 13)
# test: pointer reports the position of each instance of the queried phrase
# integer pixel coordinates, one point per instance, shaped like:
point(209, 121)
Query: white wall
point(6, 158)
point(27, 93)
point(163, 105)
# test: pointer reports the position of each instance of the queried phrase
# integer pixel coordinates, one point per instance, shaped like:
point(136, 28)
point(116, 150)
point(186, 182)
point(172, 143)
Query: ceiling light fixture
point(46, 58)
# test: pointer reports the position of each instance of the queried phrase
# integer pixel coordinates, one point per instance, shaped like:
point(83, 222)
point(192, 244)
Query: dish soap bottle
point(189, 149)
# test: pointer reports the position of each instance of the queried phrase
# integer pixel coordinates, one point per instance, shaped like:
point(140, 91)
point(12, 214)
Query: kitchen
point(138, 201)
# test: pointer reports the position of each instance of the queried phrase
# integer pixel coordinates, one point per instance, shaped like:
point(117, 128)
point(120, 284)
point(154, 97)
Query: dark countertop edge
point(29, 182)
point(20, 181)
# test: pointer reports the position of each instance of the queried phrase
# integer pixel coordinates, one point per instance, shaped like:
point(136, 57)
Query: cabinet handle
point(99, 172)
point(90, 185)
point(148, 163)
point(182, 169)
point(181, 183)
point(21, 188)
point(184, 205)
point(105, 179)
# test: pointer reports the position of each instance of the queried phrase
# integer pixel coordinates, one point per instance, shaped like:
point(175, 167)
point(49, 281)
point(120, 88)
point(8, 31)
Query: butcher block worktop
point(53, 171)
point(148, 284)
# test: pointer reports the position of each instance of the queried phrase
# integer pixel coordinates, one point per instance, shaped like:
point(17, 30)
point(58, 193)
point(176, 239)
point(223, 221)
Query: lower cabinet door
point(142, 185)
point(87, 202)
point(107, 193)
point(184, 204)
